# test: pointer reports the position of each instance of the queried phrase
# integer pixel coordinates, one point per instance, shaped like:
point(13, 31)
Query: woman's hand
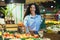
point(32, 33)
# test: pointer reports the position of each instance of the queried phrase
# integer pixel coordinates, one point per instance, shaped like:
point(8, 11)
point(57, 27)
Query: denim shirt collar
point(33, 16)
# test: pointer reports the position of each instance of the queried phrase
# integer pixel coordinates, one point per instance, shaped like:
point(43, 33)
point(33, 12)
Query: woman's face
point(32, 8)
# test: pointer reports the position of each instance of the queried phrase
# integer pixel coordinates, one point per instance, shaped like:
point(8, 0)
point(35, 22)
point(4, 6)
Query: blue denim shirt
point(32, 23)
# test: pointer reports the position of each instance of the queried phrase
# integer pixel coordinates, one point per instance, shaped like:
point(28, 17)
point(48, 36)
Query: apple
point(28, 35)
point(11, 36)
point(36, 36)
point(20, 24)
point(17, 35)
point(4, 36)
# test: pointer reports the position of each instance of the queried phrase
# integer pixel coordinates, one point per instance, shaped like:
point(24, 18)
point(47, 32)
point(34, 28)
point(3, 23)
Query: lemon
point(0, 33)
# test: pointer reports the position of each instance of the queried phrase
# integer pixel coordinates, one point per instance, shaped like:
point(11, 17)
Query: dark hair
point(28, 9)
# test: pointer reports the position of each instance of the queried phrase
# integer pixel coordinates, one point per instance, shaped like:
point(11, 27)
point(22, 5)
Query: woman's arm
point(26, 24)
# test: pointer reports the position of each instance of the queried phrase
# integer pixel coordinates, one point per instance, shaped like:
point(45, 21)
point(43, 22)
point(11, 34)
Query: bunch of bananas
point(51, 21)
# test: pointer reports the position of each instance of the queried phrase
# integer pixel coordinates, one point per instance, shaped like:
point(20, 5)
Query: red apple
point(11, 36)
point(4, 36)
point(36, 36)
point(17, 35)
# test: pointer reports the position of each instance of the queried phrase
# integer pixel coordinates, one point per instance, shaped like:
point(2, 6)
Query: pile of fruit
point(28, 39)
point(51, 21)
point(53, 28)
point(7, 35)
point(18, 35)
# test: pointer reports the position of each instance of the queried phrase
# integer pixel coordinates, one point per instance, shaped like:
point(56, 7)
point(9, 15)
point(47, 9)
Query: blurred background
point(12, 14)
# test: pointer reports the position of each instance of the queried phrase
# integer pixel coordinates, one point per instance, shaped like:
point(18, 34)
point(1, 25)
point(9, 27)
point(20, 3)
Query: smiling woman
point(32, 19)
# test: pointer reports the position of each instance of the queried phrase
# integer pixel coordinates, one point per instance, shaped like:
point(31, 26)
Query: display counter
point(52, 36)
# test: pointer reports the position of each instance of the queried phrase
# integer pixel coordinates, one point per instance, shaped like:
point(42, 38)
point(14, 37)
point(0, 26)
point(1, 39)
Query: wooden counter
point(11, 27)
point(53, 36)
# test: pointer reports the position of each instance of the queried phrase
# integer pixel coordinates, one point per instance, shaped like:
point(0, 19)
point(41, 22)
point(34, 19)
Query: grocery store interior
point(12, 20)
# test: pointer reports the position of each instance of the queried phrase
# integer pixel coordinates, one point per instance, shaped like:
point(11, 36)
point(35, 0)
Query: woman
point(32, 19)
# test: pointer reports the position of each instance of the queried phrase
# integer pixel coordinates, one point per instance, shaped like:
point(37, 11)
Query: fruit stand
point(17, 36)
point(11, 33)
point(52, 36)
point(52, 30)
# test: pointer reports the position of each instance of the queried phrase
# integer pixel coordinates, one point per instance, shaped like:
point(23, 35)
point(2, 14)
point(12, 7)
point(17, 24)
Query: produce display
point(51, 21)
point(11, 35)
point(7, 35)
point(53, 28)
point(18, 35)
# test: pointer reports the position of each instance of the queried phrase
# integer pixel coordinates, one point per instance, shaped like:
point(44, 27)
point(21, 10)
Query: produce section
point(16, 35)
point(12, 26)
